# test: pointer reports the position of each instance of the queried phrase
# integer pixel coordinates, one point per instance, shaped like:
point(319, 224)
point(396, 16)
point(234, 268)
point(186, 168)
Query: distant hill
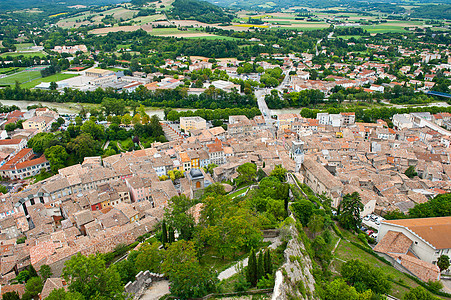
point(200, 11)
point(278, 4)
point(51, 4)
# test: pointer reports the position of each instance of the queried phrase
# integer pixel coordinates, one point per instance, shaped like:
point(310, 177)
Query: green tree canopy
point(363, 277)
point(57, 156)
point(188, 278)
point(89, 276)
point(350, 208)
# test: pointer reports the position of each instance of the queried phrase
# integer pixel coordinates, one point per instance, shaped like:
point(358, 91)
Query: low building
point(192, 123)
point(322, 181)
point(416, 244)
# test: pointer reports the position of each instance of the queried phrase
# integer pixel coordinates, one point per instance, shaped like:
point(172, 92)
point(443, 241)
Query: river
point(74, 108)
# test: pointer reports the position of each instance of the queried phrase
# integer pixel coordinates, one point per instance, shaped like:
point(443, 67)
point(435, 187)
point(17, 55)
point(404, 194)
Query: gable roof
point(432, 230)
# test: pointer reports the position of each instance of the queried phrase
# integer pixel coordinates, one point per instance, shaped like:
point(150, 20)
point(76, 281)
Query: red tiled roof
point(10, 142)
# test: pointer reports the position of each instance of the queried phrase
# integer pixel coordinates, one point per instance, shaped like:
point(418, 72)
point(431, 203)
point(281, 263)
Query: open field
point(20, 77)
point(25, 54)
point(147, 19)
point(118, 13)
point(107, 30)
point(52, 78)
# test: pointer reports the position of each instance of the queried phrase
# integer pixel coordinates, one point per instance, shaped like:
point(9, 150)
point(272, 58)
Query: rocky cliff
point(294, 279)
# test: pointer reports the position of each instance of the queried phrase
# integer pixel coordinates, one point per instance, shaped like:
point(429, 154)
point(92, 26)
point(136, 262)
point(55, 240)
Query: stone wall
point(135, 289)
point(294, 279)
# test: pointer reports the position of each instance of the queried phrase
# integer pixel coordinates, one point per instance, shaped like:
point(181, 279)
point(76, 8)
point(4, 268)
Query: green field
point(147, 19)
point(166, 31)
point(383, 28)
point(213, 37)
point(25, 54)
point(54, 78)
point(20, 77)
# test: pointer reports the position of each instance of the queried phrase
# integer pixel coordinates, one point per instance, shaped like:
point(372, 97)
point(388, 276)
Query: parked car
point(363, 228)
point(374, 235)
point(367, 218)
point(370, 232)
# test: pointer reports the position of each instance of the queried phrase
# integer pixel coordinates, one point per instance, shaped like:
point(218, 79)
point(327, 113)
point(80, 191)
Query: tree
point(260, 174)
point(89, 276)
point(42, 141)
point(419, 293)
point(126, 119)
point(247, 173)
point(339, 290)
point(443, 262)
point(179, 217)
point(410, 172)
point(62, 294)
point(34, 286)
point(303, 209)
point(45, 272)
point(3, 189)
point(149, 258)
point(57, 156)
point(113, 106)
point(252, 268)
point(32, 271)
point(93, 129)
point(11, 296)
point(316, 224)
point(23, 276)
point(188, 278)
point(164, 234)
point(83, 146)
point(54, 127)
point(439, 206)
point(267, 262)
point(127, 271)
point(260, 266)
point(280, 173)
point(349, 211)
point(10, 127)
point(363, 277)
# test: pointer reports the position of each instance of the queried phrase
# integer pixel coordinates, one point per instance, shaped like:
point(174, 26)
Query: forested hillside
point(201, 11)
point(51, 4)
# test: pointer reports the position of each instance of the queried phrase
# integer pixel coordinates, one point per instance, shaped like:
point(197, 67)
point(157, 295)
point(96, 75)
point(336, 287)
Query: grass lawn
point(160, 31)
point(25, 54)
point(383, 28)
point(236, 193)
point(20, 77)
point(55, 78)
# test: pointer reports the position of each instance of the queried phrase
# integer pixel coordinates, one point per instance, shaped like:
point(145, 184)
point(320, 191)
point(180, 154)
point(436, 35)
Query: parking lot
point(372, 221)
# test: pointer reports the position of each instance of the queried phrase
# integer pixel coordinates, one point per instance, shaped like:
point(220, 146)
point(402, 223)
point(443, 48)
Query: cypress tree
point(252, 268)
point(32, 271)
point(164, 233)
point(268, 264)
point(171, 235)
point(260, 266)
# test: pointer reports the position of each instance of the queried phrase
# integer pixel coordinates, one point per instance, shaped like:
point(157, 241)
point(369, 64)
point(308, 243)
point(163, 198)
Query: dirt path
point(227, 273)
point(156, 291)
